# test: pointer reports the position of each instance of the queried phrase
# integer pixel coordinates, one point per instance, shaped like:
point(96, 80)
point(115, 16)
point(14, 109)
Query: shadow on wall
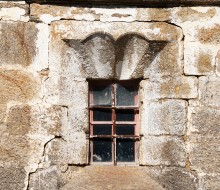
point(125, 58)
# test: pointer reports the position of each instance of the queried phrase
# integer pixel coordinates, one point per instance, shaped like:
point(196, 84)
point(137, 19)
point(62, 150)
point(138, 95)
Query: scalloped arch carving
point(124, 58)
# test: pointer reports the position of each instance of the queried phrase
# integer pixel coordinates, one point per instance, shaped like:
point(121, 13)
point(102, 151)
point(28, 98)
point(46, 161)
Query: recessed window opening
point(114, 131)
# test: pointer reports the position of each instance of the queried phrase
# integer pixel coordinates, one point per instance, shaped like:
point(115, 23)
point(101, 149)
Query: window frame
point(136, 136)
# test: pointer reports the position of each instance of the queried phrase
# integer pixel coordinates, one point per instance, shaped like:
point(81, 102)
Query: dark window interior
point(113, 121)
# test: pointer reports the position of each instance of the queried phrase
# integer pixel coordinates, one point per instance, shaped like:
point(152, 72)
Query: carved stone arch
point(124, 58)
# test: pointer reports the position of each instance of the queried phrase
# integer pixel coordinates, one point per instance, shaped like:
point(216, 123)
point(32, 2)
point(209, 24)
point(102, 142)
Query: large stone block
point(193, 14)
point(205, 121)
point(173, 178)
point(14, 11)
point(199, 59)
point(209, 34)
point(18, 120)
point(71, 149)
point(164, 117)
point(177, 178)
point(66, 91)
point(44, 179)
point(19, 43)
point(2, 112)
point(48, 120)
point(204, 156)
point(16, 85)
point(12, 178)
point(210, 182)
point(162, 151)
point(209, 91)
point(169, 87)
point(168, 62)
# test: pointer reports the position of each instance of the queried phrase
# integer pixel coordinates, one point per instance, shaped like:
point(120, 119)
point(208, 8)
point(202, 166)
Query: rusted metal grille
point(114, 131)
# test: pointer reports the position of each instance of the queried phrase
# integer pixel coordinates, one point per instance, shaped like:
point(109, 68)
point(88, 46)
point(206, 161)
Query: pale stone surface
point(44, 90)
point(209, 90)
point(81, 29)
point(169, 87)
point(168, 61)
point(217, 60)
point(17, 85)
point(204, 138)
point(199, 59)
point(177, 178)
point(172, 178)
point(191, 14)
point(17, 43)
point(12, 178)
point(71, 149)
point(162, 150)
point(204, 156)
point(14, 11)
point(210, 182)
point(44, 179)
point(111, 177)
point(164, 117)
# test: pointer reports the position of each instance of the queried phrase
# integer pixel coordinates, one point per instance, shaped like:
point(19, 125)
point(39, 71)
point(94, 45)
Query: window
point(114, 133)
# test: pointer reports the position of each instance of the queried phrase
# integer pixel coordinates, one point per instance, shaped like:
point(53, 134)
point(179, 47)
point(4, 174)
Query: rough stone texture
point(164, 117)
point(48, 55)
point(176, 178)
point(170, 87)
point(168, 61)
point(16, 85)
point(209, 182)
point(17, 43)
point(204, 139)
point(110, 177)
point(199, 59)
point(209, 91)
point(12, 178)
point(71, 149)
point(217, 59)
point(44, 179)
point(162, 150)
point(14, 11)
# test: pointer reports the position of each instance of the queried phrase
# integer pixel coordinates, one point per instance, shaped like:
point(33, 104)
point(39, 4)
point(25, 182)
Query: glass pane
point(124, 129)
point(102, 130)
point(102, 95)
point(102, 115)
point(125, 150)
point(124, 115)
point(102, 150)
point(125, 95)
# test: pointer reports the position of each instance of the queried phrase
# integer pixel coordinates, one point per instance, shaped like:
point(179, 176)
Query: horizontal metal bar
point(116, 136)
point(114, 107)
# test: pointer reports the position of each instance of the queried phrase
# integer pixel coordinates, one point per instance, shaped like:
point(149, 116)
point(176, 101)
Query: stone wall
point(47, 54)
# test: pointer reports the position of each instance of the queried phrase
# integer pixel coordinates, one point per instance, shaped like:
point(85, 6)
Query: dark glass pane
point(102, 115)
point(124, 115)
point(102, 130)
point(125, 95)
point(102, 150)
point(125, 150)
point(125, 129)
point(102, 95)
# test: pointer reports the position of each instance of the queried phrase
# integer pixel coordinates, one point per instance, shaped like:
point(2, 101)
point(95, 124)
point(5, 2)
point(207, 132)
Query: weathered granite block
point(164, 117)
point(44, 179)
point(170, 87)
point(209, 91)
point(162, 151)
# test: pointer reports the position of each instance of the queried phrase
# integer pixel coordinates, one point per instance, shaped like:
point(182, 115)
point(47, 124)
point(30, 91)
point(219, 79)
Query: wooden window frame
point(136, 137)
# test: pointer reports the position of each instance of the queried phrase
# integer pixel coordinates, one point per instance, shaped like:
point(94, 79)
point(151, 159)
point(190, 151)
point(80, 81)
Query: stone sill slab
point(133, 2)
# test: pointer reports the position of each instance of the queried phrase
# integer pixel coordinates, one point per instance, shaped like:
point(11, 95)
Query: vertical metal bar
point(113, 120)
